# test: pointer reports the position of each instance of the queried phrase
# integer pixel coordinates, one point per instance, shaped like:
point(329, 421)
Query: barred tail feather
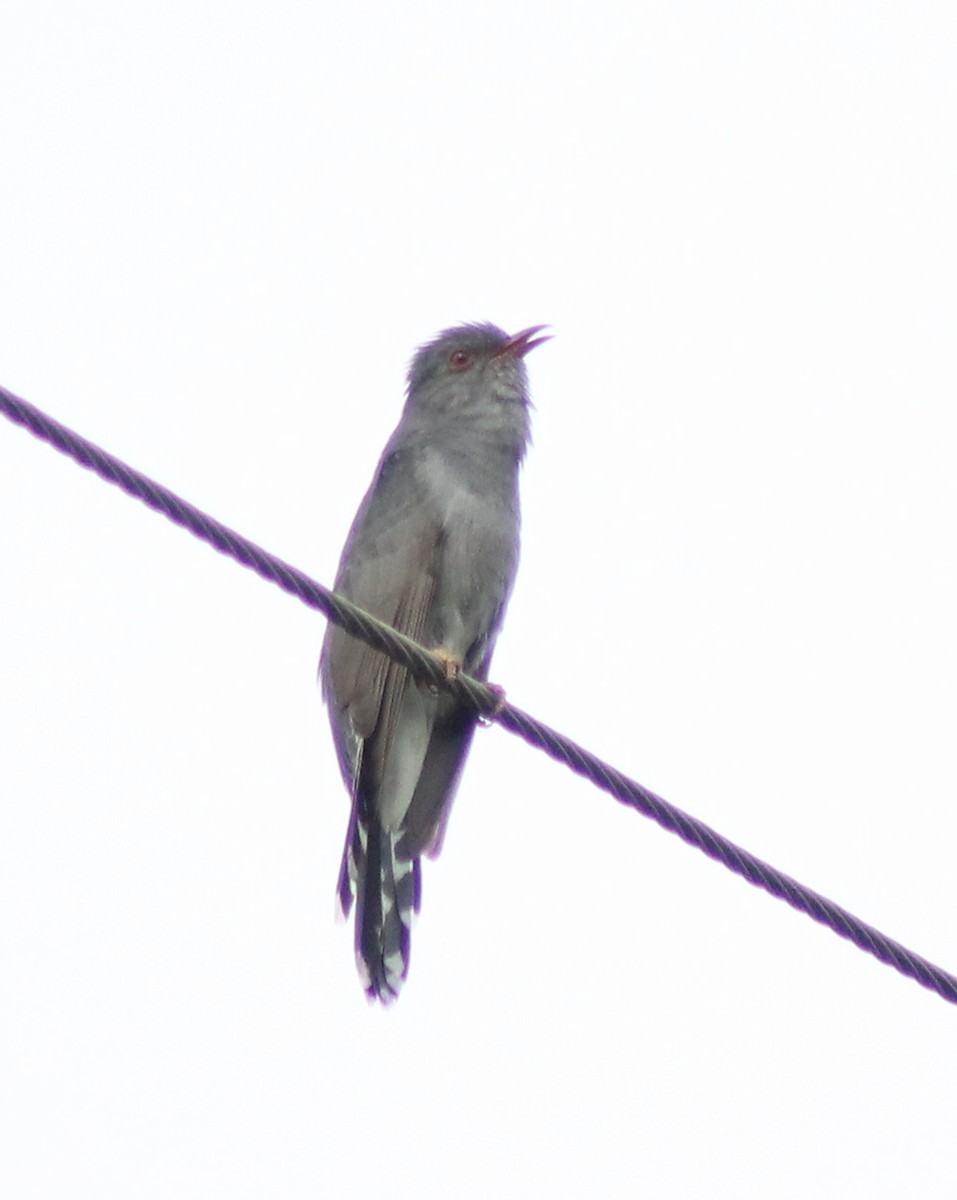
point(386, 887)
point(353, 857)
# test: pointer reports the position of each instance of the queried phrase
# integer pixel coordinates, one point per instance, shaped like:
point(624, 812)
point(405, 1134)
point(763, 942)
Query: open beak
point(519, 344)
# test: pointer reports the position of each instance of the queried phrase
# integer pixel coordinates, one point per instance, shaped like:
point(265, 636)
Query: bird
point(433, 551)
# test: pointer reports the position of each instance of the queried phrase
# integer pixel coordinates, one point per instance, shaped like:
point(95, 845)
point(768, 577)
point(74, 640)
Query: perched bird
point(433, 551)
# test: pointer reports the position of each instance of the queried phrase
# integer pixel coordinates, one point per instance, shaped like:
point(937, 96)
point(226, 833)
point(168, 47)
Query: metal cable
point(488, 702)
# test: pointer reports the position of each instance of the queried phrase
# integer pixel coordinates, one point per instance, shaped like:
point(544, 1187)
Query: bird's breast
point(477, 509)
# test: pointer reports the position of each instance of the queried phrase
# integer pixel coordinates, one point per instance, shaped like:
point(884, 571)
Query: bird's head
point(466, 369)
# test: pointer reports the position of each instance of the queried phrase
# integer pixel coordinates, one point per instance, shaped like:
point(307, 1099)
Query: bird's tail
point(386, 887)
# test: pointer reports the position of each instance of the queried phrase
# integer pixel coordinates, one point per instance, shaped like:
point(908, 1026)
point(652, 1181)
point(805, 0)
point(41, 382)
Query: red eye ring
point(459, 360)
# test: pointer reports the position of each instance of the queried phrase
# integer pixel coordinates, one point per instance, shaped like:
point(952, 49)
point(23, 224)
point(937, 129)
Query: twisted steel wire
point(487, 702)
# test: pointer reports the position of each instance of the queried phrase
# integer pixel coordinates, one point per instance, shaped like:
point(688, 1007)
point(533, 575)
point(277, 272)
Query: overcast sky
point(223, 231)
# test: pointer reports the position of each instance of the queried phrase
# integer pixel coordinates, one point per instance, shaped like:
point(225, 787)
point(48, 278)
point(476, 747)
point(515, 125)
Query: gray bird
point(433, 551)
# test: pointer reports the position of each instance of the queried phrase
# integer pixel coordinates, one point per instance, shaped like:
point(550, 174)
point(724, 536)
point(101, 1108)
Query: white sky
point(223, 230)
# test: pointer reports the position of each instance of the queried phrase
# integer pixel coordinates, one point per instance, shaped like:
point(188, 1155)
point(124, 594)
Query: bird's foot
point(450, 665)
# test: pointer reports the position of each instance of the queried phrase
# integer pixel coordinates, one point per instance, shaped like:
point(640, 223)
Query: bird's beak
point(519, 344)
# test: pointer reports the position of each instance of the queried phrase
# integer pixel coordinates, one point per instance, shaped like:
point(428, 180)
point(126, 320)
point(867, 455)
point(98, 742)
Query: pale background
point(223, 230)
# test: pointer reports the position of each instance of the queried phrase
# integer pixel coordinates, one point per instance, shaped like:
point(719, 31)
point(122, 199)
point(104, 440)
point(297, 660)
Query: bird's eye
point(459, 360)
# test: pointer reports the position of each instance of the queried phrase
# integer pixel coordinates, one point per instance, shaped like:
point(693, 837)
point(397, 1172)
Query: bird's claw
point(451, 666)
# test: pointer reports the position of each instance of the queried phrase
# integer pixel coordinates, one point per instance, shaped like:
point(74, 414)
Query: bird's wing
point(389, 569)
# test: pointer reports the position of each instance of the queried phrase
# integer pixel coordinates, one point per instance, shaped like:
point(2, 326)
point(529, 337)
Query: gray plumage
point(433, 551)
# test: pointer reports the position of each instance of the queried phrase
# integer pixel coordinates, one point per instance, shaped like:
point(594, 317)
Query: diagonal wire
point(484, 700)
